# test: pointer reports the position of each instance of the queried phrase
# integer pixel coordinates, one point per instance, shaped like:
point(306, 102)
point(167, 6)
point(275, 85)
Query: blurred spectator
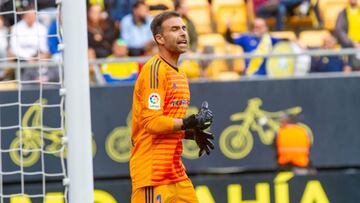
point(3, 38)
point(292, 144)
point(101, 3)
point(182, 8)
point(278, 8)
point(329, 63)
point(302, 62)
point(3, 45)
point(28, 42)
point(53, 40)
point(135, 29)
point(119, 8)
point(259, 41)
point(43, 4)
point(47, 15)
point(92, 67)
point(7, 5)
point(116, 9)
point(347, 30)
point(20, 5)
point(101, 31)
point(315, 12)
point(120, 72)
point(29, 38)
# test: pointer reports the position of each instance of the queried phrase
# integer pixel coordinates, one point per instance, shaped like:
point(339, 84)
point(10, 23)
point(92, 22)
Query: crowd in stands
point(121, 28)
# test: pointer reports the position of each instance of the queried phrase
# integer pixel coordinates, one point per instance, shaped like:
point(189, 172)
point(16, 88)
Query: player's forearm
point(163, 124)
point(160, 125)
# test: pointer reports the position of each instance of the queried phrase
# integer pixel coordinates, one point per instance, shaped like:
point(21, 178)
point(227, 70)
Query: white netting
point(32, 166)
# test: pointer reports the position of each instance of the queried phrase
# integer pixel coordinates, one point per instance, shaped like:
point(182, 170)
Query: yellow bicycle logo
point(236, 141)
point(29, 142)
point(118, 143)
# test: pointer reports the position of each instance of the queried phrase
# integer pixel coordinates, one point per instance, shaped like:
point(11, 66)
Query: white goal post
point(77, 102)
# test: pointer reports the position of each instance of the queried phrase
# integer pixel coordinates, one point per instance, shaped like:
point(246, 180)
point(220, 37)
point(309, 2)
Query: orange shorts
point(181, 192)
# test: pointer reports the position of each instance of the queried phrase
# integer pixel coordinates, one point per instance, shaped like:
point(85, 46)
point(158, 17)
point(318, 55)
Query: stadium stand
point(200, 14)
point(216, 40)
point(211, 18)
point(329, 10)
point(230, 11)
point(238, 65)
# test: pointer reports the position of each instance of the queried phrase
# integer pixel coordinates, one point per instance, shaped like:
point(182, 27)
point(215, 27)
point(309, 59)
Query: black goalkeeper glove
point(202, 139)
point(201, 121)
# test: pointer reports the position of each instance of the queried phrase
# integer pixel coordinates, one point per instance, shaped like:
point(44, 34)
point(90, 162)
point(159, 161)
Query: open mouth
point(183, 42)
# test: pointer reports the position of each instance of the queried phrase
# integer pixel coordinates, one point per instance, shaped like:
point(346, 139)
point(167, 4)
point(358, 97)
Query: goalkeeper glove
point(202, 120)
point(202, 139)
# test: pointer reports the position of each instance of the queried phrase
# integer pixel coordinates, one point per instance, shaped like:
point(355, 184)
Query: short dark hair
point(138, 3)
point(156, 24)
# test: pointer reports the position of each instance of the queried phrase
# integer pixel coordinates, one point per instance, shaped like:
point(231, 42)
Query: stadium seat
point(216, 3)
point(233, 10)
point(215, 40)
point(191, 68)
point(199, 12)
point(324, 3)
point(313, 38)
point(152, 3)
point(167, 3)
point(238, 65)
point(213, 43)
point(227, 75)
point(288, 35)
point(330, 14)
point(300, 21)
point(215, 68)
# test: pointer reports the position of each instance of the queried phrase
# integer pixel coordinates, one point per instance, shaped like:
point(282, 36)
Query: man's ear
point(159, 39)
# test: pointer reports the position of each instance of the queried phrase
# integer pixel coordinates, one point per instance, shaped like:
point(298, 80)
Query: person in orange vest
point(292, 144)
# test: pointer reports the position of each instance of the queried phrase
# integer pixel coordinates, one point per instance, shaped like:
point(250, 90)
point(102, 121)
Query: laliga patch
point(154, 101)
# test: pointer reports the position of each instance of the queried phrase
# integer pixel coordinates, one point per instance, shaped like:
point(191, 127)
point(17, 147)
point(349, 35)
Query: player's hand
point(203, 140)
point(201, 121)
point(204, 117)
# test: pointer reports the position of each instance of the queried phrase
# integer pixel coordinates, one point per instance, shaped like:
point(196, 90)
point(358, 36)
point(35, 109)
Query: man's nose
point(183, 32)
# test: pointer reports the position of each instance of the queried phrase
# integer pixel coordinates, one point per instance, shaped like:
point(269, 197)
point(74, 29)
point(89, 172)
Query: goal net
point(32, 151)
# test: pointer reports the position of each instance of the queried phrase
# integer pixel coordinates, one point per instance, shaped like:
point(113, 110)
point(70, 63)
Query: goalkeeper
point(160, 100)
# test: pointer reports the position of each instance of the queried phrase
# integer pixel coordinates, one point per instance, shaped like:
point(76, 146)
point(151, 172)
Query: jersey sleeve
point(239, 40)
point(153, 93)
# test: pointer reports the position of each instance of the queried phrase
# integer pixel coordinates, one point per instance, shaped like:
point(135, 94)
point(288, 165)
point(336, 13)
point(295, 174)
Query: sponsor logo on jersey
point(181, 102)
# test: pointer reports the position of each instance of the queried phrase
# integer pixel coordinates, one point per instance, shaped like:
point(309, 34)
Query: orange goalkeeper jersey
point(161, 94)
